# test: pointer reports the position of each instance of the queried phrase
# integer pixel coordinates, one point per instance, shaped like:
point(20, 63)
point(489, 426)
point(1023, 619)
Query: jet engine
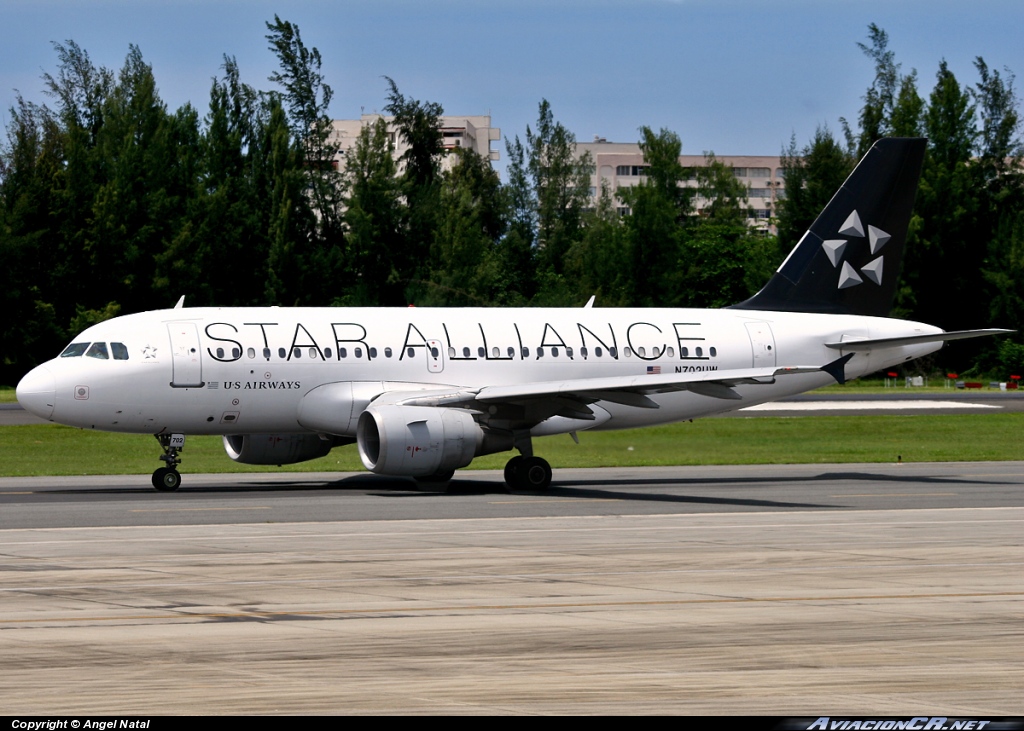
point(277, 449)
point(418, 441)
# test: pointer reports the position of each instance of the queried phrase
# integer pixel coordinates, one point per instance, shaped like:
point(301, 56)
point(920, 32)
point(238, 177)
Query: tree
point(812, 174)
point(464, 268)
point(599, 263)
point(515, 250)
point(945, 255)
point(722, 261)
point(561, 183)
point(419, 127)
point(373, 219)
point(307, 98)
point(658, 207)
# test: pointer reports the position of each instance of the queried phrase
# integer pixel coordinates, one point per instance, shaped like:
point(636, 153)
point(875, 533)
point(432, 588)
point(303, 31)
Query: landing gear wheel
point(534, 473)
point(512, 470)
point(437, 477)
point(166, 480)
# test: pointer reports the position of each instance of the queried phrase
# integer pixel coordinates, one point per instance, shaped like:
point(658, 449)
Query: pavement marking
point(193, 510)
point(902, 405)
point(520, 502)
point(898, 494)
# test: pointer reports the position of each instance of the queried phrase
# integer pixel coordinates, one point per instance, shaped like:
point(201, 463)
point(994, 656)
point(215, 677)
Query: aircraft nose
point(36, 392)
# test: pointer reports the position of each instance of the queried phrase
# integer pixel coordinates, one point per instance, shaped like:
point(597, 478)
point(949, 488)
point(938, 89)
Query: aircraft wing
point(534, 402)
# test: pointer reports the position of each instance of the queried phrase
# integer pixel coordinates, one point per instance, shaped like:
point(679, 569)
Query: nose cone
point(36, 392)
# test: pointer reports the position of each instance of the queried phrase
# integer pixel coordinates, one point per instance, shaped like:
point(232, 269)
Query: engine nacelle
point(277, 449)
point(415, 441)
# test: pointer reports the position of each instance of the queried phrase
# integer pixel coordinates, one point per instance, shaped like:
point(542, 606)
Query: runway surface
point(792, 590)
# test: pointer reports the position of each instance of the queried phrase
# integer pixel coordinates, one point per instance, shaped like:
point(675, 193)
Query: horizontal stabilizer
point(862, 345)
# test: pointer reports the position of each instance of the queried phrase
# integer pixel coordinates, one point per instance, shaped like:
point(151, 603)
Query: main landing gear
point(168, 479)
point(525, 471)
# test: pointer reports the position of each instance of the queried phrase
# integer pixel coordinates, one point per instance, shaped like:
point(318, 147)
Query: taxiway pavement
point(790, 590)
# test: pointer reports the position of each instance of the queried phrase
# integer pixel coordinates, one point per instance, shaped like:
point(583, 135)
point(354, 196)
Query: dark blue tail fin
point(849, 261)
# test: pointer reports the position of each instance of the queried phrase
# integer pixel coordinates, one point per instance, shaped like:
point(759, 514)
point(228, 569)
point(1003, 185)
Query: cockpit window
point(119, 351)
point(97, 350)
point(74, 350)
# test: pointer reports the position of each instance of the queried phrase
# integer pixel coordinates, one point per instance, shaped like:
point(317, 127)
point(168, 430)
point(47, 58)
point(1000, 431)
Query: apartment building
point(472, 133)
point(621, 164)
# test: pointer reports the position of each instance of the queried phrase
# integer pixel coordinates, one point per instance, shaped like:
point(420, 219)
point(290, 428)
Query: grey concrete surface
point(803, 590)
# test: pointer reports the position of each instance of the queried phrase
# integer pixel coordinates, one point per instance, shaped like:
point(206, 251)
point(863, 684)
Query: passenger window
point(236, 353)
point(372, 352)
point(481, 352)
point(119, 351)
point(97, 350)
point(358, 352)
point(713, 352)
point(613, 352)
point(465, 352)
point(540, 352)
point(495, 353)
point(282, 353)
point(684, 352)
point(568, 352)
point(342, 352)
point(627, 352)
point(671, 352)
point(526, 352)
point(434, 352)
point(641, 351)
point(583, 351)
point(251, 352)
point(387, 352)
point(327, 353)
point(220, 352)
point(554, 352)
point(700, 352)
point(597, 352)
point(266, 353)
point(411, 352)
point(296, 353)
point(511, 351)
point(74, 350)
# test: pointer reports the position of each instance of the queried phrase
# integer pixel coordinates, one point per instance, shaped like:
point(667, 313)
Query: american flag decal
point(653, 370)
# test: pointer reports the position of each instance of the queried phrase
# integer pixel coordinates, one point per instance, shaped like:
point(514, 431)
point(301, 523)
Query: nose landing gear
point(168, 479)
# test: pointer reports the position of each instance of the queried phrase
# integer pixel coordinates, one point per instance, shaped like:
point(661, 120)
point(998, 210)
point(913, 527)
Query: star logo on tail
point(834, 249)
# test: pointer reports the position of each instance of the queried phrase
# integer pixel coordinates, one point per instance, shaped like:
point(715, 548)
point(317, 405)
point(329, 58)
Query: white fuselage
point(246, 370)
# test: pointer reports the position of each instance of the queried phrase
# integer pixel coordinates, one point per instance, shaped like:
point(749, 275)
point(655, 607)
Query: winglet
point(181, 303)
point(837, 368)
point(590, 302)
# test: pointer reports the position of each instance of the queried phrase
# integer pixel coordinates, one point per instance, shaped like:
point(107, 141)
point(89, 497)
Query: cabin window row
point(299, 353)
point(584, 352)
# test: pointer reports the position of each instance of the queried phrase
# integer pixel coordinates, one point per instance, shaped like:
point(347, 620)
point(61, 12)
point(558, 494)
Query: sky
point(736, 77)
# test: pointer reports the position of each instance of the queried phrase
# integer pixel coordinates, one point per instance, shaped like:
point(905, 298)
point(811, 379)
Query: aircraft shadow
point(592, 489)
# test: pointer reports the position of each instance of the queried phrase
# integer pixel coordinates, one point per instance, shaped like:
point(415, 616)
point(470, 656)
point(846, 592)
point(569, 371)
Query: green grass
point(58, 450)
point(7, 395)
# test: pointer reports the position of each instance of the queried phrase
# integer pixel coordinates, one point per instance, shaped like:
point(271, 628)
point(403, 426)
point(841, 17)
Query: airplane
point(424, 391)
